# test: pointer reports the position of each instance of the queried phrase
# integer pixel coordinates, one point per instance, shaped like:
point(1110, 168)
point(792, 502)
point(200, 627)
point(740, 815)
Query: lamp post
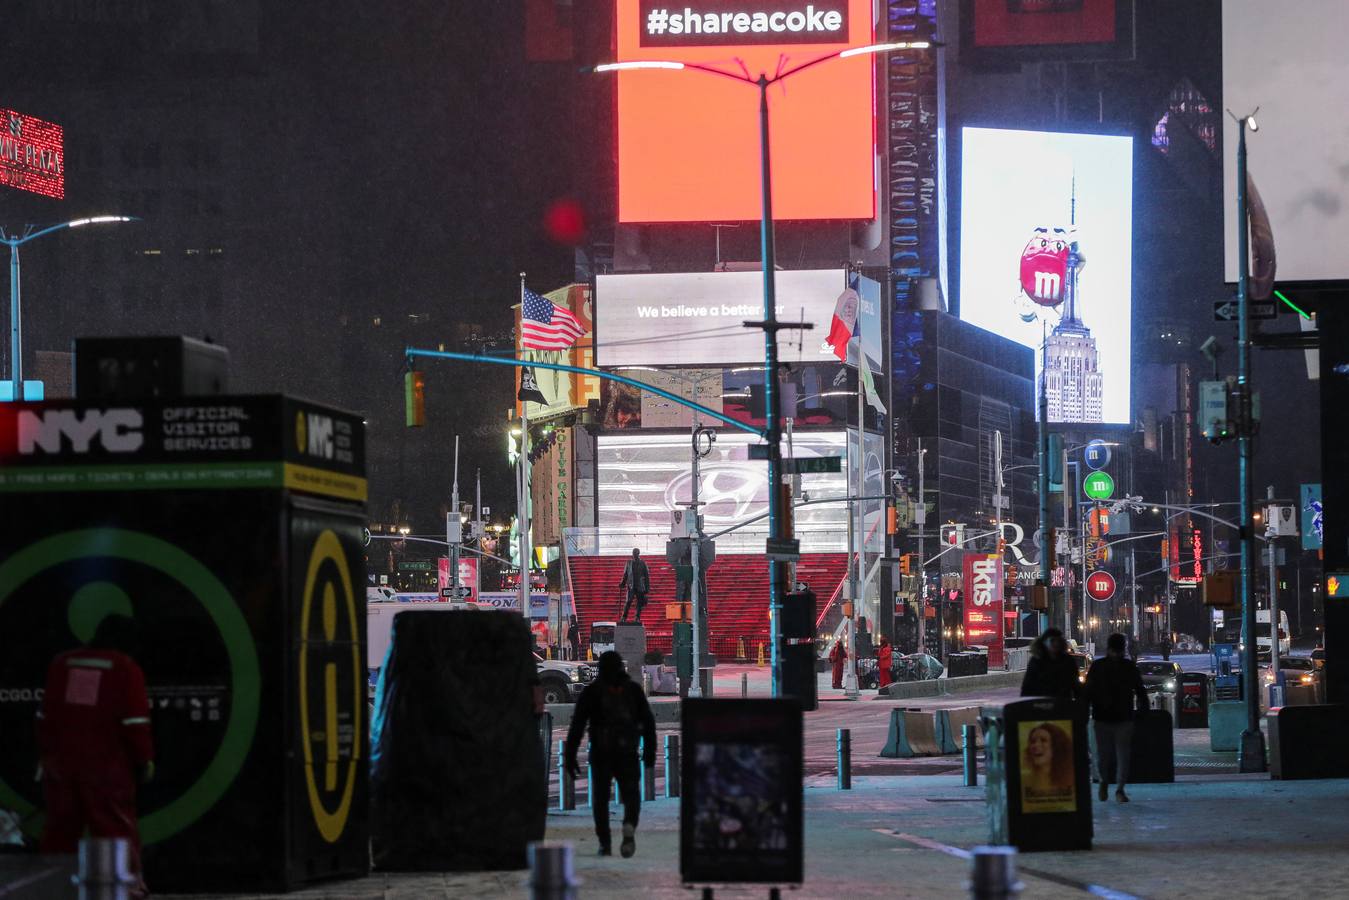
point(779, 528)
point(1252, 755)
point(15, 326)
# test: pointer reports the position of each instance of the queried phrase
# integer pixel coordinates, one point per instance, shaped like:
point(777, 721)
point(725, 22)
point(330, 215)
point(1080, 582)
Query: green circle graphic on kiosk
point(1098, 486)
point(91, 603)
point(134, 546)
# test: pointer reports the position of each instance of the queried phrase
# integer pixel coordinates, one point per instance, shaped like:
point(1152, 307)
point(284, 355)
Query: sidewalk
point(1207, 836)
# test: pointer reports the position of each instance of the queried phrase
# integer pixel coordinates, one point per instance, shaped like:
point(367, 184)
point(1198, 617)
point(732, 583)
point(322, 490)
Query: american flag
point(546, 326)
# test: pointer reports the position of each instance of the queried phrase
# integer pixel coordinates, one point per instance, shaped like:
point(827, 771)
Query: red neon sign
point(983, 604)
point(688, 142)
point(32, 155)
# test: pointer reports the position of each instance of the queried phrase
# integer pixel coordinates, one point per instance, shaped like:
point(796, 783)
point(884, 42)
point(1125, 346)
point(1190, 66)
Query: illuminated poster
point(1035, 207)
point(32, 155)
point(1048, 776)
point(983, 604)
point(688, 141)
point(643, 478)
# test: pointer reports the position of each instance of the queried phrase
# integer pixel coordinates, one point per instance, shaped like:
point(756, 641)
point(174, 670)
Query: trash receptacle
point(1192, 703)
point(1038, 783)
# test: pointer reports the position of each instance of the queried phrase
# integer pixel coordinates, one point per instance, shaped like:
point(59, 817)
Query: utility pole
point(1252, 755)
point(522, 502)
point(695, 556)
point(857, 538)
point(1042, 438)
point(1270, 531)
point(920, 519)
point(454, 529)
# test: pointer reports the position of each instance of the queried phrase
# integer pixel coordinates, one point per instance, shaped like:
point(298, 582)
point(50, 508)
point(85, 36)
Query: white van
point(1262, 642)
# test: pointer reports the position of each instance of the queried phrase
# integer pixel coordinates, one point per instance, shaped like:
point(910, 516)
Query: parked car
point(1083, 664)
point(562, 680)
point(1296, 669)
point(1159, 675)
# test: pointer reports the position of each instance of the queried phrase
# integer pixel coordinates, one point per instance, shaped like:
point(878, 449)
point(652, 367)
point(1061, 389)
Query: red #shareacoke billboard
point(983, 604)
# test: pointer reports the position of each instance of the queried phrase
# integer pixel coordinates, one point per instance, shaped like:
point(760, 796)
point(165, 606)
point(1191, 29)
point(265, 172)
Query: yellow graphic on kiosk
point(1048, 777)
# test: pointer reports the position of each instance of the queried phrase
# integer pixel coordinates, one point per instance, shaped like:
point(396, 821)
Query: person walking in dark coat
point(1051, 672)
point(1113, 683)
point(615, 709)
point(637, 579)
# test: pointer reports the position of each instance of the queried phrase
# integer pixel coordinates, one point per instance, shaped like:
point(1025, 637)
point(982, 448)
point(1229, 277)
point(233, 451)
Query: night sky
point(393, 162)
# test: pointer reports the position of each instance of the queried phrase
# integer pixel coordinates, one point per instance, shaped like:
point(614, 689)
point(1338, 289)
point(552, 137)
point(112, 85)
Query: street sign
point(1229, 311)
point(811, 464)
point(1096, 455)
point(1098, 486)
point(1100, 585)
point(784, 549)
point(417, 565)
point(453, 593)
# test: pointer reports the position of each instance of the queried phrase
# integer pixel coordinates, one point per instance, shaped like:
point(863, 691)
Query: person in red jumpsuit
point(94, 740)
point(885, 657)
point(838, 656)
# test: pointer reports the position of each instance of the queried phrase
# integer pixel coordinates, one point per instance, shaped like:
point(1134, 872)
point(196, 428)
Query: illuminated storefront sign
point(32, 155)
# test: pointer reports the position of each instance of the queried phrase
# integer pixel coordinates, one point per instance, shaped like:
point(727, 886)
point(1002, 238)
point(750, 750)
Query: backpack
point(616, 726)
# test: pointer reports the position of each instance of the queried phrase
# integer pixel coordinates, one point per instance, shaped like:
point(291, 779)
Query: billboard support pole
point(1252, 755)
point(778, 526)
point(522, 515)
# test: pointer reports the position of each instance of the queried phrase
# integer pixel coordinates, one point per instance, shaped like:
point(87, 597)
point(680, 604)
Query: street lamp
point(15, 242)
point(778, 526)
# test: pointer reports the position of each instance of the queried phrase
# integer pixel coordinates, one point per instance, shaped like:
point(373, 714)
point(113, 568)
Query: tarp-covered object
point(457, 776)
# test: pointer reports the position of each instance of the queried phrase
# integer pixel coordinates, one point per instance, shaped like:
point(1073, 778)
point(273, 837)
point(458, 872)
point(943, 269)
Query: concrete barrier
point(913, 732)
point(950, 722)
point(940, 687)
point(665, 710)
point(1226, 722)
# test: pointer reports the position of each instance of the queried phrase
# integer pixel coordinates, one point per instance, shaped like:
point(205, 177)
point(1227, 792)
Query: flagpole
point(522, 512)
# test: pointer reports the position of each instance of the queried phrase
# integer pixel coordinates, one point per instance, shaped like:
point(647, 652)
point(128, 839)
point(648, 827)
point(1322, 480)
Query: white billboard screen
point(1035, 208)
point(697, 318)
point(1289, 61)
point(644, 478)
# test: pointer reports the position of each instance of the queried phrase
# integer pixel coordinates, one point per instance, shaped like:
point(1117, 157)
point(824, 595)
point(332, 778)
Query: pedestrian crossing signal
point(414, 398)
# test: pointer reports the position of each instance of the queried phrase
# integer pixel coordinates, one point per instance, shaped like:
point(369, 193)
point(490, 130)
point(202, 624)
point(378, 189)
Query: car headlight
point(1170, 684)
point(1307, 678)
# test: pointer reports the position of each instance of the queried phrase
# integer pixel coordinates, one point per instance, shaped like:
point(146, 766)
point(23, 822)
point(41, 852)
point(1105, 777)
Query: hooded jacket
point(612, 679)
point(1048, 677)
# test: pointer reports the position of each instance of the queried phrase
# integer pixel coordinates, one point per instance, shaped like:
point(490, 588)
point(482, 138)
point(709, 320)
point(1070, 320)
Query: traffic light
point(906, 564)
point(1051, 547)
point(414, 398)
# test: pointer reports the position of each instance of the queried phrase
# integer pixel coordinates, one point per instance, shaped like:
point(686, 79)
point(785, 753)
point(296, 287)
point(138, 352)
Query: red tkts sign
point(32, 155)
point(983, 604)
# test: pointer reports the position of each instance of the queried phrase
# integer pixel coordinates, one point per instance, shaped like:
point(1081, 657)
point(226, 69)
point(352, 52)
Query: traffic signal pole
point(1252, 755)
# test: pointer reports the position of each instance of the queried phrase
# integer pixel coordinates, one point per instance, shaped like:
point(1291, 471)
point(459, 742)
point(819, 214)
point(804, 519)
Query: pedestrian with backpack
point(620, 723)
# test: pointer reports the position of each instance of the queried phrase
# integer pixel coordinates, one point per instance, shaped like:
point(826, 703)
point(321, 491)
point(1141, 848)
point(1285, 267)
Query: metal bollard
point(566, 788)
point(993, 873)
point(672, 770)
point(969, 737)
point(648, 777)
point(105, 869)
point(552, 873)
point(844, 759)
point(744, 684)
point(546, 740)
point(590, 785)
point(646, 683)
